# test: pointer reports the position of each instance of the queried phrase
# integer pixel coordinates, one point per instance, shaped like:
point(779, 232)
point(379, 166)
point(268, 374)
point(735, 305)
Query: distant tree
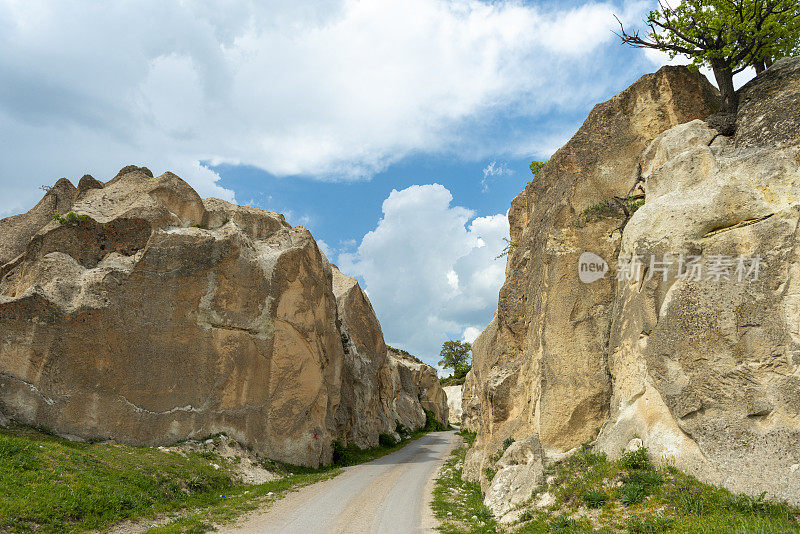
point(455, 356)
point(536, 167)
point(726, 35)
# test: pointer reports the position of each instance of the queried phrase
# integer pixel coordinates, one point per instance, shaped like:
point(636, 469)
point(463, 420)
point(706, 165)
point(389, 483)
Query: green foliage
point(536, 167)
point(726, 35)
point(455, 354)
point(648, 525)
point(508, 249)
point(386, 440)
point(595, 498)
point(507, 443)
point(431, 423)
point(637, 459)
point(456, 502)
point(69, 219)
point(469, 437)
point(49, 484)
point(459, 376)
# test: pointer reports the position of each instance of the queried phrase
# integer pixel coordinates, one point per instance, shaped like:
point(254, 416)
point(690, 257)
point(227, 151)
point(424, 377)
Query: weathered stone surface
point(156, 316)
point(419, 381)
point(17, 230)
point(159, 318)
point(453, 394)
point(539, 369)
point(519, 472)
point(706, 371)
point(360, 417)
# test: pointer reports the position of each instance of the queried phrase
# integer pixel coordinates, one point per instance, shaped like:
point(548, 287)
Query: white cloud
point(325, 248)
point(332, 88)
point(470, 334)
point(430, 268)
point(493, 171)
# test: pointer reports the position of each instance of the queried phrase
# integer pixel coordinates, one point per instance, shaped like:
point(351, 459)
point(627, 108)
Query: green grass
point(52, 485)
point(595, 494)
point(48, 484)
point(456, 502)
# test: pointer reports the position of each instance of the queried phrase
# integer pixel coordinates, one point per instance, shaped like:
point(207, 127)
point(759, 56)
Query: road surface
point(388, 495)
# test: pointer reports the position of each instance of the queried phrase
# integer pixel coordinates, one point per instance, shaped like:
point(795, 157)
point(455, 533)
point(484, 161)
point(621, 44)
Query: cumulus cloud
point(337, 89)
point(430, 268)
point(470, 334)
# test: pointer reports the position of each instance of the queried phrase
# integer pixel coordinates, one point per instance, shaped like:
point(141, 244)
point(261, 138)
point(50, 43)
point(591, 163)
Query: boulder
point(453, 394)
point(154, 316)
point(539, 368)
point(706, 368)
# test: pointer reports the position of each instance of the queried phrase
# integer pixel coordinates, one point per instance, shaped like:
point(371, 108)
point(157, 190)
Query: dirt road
point(388, 495)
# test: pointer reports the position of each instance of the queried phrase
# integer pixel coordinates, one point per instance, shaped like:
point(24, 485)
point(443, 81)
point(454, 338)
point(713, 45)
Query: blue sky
point(397, 132)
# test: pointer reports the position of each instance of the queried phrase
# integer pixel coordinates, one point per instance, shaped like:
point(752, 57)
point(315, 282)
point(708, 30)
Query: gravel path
point(388, 495)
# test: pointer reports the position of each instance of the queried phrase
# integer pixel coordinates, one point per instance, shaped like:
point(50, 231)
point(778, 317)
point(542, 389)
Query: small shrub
point(69, 219)
point(387, 440)
point(563, 523)
point(469, 437)
point(637, 459)
point(507, 443)
point(648, 479)
point(490, 472)
point(431, 423)
point(401, 429)
point(595, 498)
point(632, 493)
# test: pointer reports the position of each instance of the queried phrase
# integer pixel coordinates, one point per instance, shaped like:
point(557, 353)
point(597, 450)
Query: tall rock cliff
point(540, 372)
point(149, 315)
point(706, 364)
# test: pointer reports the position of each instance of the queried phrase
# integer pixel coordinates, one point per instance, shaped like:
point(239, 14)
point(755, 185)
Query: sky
point(397, 132)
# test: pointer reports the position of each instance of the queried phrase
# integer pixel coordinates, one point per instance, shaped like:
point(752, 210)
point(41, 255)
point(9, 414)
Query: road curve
point(388, 495)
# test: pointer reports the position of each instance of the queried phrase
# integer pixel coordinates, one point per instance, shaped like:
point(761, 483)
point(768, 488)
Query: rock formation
point(540, 372)
point(453, 394)
point(419, 381)
point(361, 416)
point(706, 368)
point(149, 315)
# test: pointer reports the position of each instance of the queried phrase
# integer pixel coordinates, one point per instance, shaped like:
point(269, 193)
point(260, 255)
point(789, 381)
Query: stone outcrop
point(453, 394)
point(418, 381)
point(539, 369)
point(707, 368)
point(150, 315)
point(361, 416)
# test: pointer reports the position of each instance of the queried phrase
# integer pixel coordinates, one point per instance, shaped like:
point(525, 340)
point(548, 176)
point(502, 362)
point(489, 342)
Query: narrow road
point(388, 495)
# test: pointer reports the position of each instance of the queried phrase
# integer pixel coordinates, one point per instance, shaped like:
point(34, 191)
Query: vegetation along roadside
point(50, 484)
point(587, 492)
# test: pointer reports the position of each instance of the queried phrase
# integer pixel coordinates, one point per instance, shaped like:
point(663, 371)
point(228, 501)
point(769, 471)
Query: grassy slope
point(593, 494)
point(49, 484)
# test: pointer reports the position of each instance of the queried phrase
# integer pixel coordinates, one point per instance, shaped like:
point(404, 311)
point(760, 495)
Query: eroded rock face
point(157, 316)
point(707, 368)
point(703, 371)
point(417, 382)
point(361, 417)
point(453, 394)
point(539, 369)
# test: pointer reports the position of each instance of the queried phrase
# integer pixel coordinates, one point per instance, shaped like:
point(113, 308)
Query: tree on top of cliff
point(726, 35)
point(455, 356)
